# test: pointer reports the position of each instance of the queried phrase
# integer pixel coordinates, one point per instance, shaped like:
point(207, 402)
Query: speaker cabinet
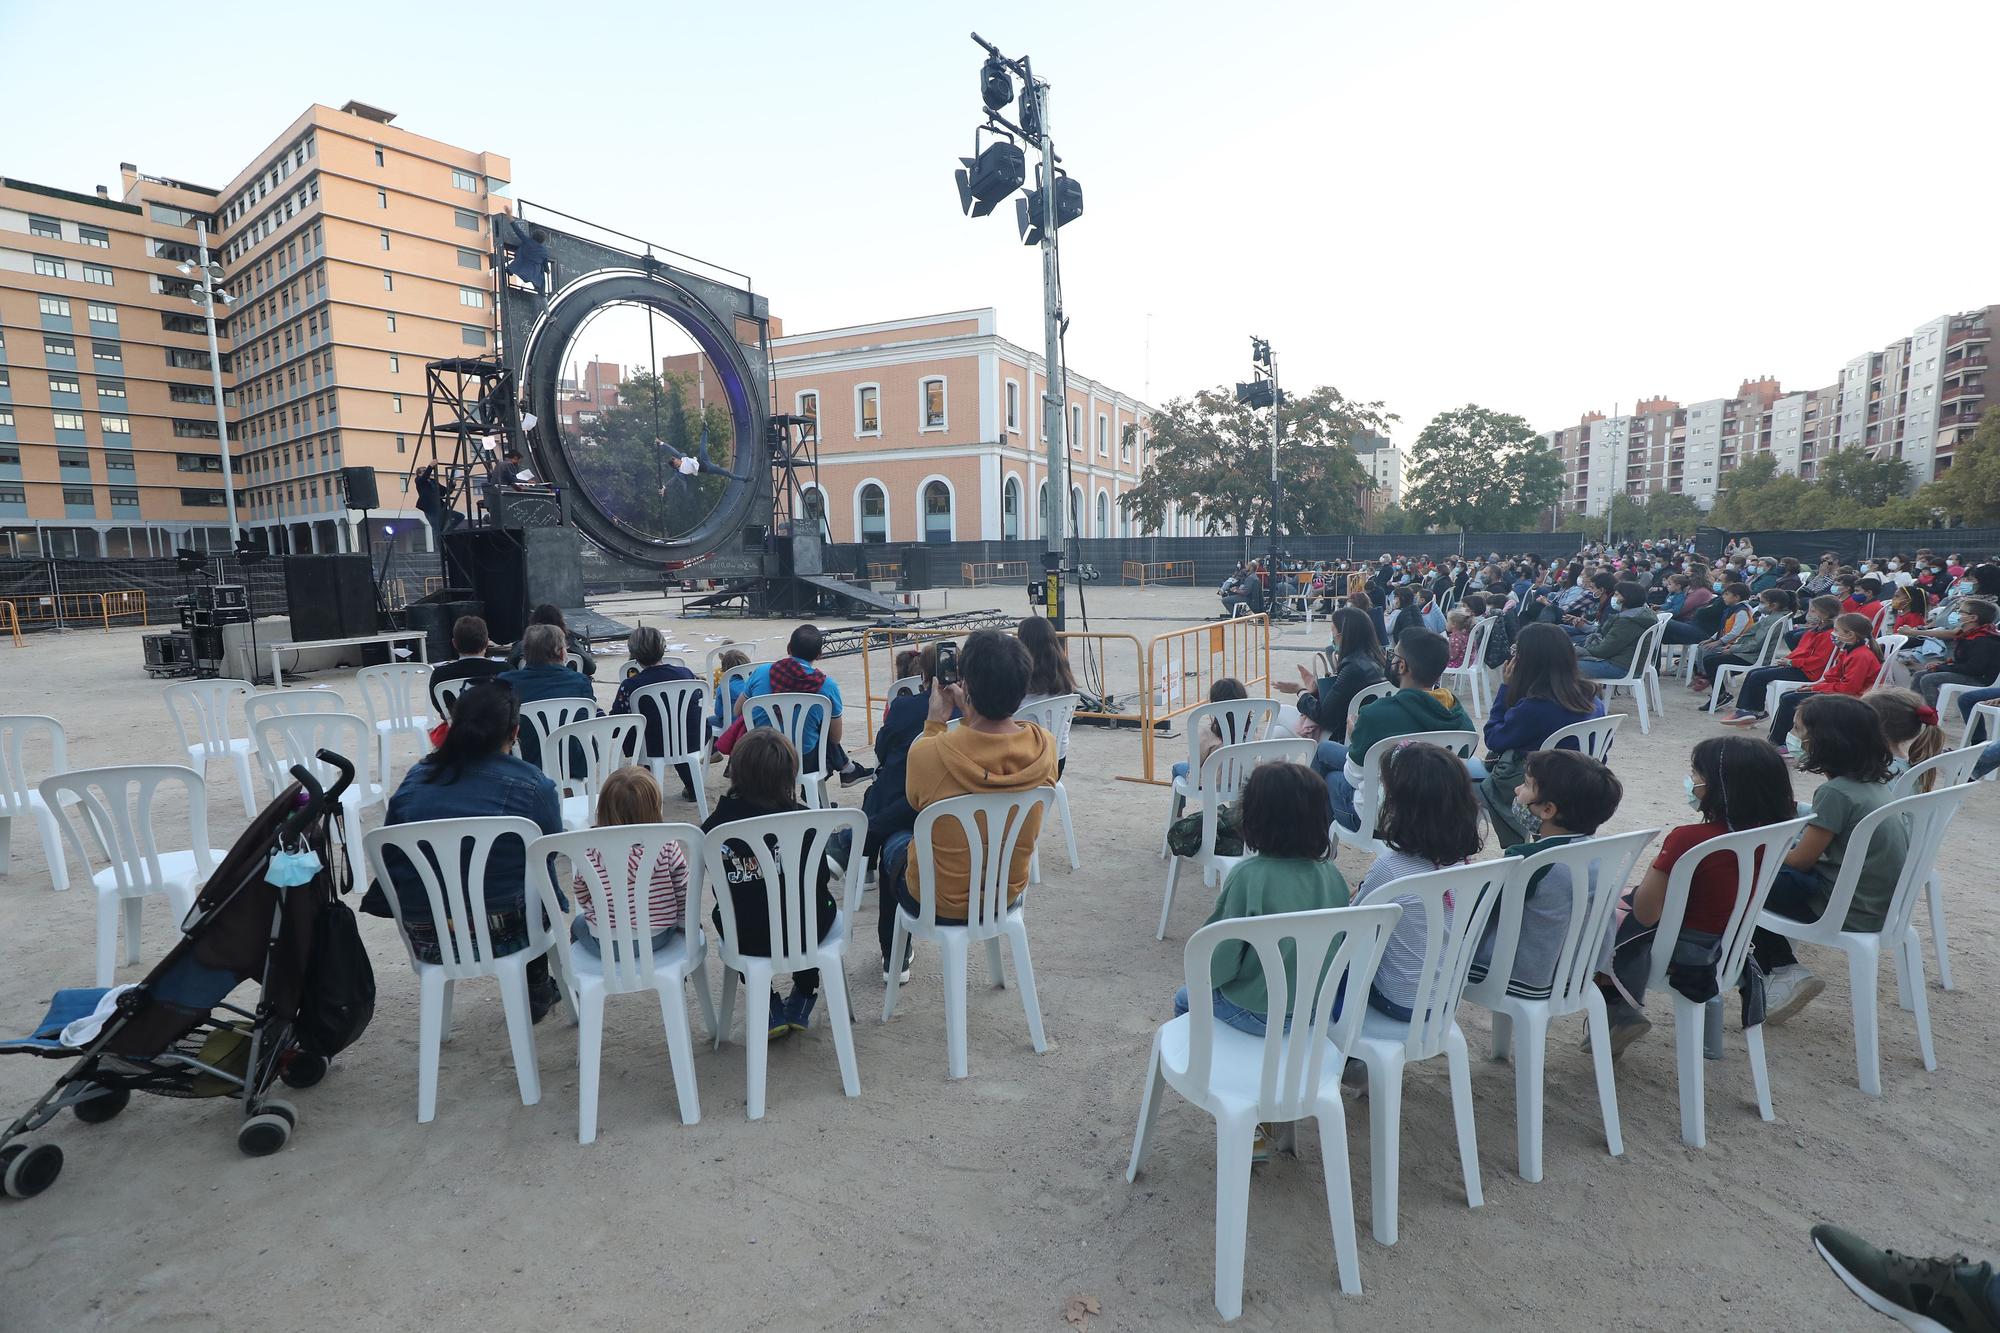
point(512, 570)
point(359, 483)
point(330, 596)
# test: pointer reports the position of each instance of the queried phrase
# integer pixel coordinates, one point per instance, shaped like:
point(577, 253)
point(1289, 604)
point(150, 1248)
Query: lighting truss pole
point(207, 292)
point(1262, 391)
point(1055, 375)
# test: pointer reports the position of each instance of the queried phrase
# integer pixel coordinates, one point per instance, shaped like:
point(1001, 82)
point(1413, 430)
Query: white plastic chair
point(1593, 736)
point(1385, 1045)
point(1284, 1076)
point(20, 798)
point(1774, 642)
point(1758, 855)
point(674, 703)
point(395, 697)
point(1928, 815)
point(1238, 720)
point(539, 717)
point(1054, 716)
point(201, 711)
point(1945, 770)
point(793, 716)
point(116, 809)
point(297, 738)
point(1367, 694)
point(1368, 795)
point(905, 685)
point(601, 745)
point(1985, 720)
point(1642, 677)
point(727, 699)
point(1891, 675)
point(619, 880)
point(444, 693)
point(448, 857)
point(1947, 705)
point(1219, 781)
point(288, 703)
point(993, 824)
point(1472, 674)
point(788, 849)
point(1598, 869)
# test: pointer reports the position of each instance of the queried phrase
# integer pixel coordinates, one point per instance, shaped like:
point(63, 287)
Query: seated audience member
point(1843, 741)
point(1909, 609)
point(1852, 670)
point(543, 676)
point(469, 640)
point(1738, 614)
point(1734, 783)
point(1358, 656)
point(1541, 691)
point(764, 780)
point(1427, 606)
point(1700, 612)
point(1458, 636)
point(1049, 677)
point(1222, 691)
point(472, 774)
point(795, 673)
point(727, 702)
point(886, 802)
point(1564, 796)
point(1862, 596)
point(1403, 613)
point(1911, 727)
point(631, 796)
point(988, 752)
point(648, 648)
point(1419, 704)
point(1806, 661)
point(1975, 650)
point(1429, 820)
point(548, 613)
point(1772, 604)
point(1607, 654)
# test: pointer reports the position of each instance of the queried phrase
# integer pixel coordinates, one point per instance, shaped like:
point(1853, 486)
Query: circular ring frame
point(541, 373)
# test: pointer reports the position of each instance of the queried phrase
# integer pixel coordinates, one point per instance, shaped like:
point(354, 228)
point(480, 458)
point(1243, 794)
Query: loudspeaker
point(437, 613)
point(555, 566)
point(916, 567)
point(526, 508)
point(330, 596)
point(513, 570)
point(359, 483)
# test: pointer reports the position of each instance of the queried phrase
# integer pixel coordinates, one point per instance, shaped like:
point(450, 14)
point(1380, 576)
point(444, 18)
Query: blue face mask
point(1951, 621)
point(1688, 785)
point(1716, 586)
point(1617, 603)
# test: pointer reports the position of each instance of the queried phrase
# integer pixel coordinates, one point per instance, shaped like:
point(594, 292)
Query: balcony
point(1971, 361)
point(1970, 389)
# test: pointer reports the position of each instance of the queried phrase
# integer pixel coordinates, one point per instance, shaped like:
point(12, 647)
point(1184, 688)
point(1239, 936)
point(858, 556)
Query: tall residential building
point(1915, 400)
point(355, 252)
point(930, 429)
point(1383, 462)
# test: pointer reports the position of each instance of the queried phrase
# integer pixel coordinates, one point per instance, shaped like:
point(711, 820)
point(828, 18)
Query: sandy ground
point(926, 1203)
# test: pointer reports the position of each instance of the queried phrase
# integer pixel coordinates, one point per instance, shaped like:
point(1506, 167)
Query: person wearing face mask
point(1541, 691)
point(1852, 670)
point(1733, 783)
point(1822, 580)
point(1764, 574)
point(1806, 662)
point(1866, 592)
point(1738, 615)
point(1607, 654)
point(1911, 726)
point(1771, 604)
point(1975, 649)
point(1901, 572)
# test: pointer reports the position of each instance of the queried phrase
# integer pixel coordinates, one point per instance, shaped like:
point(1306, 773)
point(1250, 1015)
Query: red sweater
point(1907, 620)
point(1813, 650)
point(1852, 672)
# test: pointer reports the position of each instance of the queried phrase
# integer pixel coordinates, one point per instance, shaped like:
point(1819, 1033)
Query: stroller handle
point(317, 799)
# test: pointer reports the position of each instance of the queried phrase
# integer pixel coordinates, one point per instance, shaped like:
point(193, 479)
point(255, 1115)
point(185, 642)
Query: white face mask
point(1693, 789)
point(1617, 603)
point(1895, 565)
point(1898, 764)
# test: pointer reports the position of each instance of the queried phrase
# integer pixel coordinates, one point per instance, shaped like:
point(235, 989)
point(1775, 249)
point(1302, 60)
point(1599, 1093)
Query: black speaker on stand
point(330, 596)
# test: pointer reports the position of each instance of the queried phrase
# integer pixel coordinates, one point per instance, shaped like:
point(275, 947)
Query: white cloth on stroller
point(83, 1031)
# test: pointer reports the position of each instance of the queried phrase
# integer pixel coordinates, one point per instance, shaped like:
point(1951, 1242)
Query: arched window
point(937, 512)
point(874, 507)
point(1043, 513)
point(1076, 512)
point(1103, 514)
point(1010, 511)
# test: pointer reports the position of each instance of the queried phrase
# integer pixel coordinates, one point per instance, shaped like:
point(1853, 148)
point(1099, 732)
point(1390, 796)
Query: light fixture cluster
point(999, 168)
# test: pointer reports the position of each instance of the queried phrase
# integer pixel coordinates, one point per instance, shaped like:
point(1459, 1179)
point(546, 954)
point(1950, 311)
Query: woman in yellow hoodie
point(987, 752)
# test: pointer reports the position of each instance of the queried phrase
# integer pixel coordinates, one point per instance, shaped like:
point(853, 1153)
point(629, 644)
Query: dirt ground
point(927, 1203)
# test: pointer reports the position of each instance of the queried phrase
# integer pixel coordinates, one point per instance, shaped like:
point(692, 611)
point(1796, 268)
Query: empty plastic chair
point(1237, 720)
point(396, 697)
point(1941, 770)
point(1218, 782)
point(1291, 1072)
point(297, 738)
point(20, 795)
point(679, 706)
point(202, 711)
point(1055, 716)
point(287, 702)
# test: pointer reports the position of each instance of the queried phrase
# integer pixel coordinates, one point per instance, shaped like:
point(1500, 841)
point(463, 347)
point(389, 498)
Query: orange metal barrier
point(992, 572)
point(1160, 571)
point(1182, 664)
point(10, 621)
point(433, 584)
point(889, 572)
point(68, 608)
point(130, 602)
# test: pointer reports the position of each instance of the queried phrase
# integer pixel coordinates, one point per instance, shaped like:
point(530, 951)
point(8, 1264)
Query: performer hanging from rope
point(690, 465)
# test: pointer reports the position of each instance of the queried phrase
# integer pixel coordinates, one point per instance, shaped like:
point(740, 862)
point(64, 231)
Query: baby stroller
point(174, 1036)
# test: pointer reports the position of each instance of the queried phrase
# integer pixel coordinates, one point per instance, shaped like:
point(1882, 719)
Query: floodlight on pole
point(206, 293)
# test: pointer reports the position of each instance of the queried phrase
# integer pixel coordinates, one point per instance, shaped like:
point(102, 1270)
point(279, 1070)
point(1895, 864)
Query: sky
point(1542, 208)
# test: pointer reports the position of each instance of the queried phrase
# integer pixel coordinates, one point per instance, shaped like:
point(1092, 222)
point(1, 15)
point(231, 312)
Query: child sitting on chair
point(1458, 633)
point(631, 796)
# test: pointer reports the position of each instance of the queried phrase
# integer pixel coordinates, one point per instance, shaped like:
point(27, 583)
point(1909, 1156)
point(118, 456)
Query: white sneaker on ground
point(1788, 990)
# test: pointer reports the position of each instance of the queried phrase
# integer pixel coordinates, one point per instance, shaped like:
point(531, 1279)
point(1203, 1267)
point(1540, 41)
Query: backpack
point(1501, 639)
point(338, 995)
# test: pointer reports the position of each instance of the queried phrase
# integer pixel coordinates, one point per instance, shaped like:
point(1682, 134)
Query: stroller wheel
point(28, 1171)
point(278, 1106)
point(106, 1104)
point(303, 1070)
point(263, 1134)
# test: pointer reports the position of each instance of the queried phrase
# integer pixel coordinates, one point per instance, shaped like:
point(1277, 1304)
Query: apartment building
point(1383, 462)
point(108, 435)
point(355, 252)
point(930, 429)
point(1916, 400)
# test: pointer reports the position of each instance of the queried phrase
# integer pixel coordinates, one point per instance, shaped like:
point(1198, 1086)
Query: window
point(463, 218)
point(473, 297)
point(385, 239)
point(45, 227)
point(1075, 427)
point(102, 314)
point(867, 410)
point(96, 236)
point(201, 499)
point(931, 392)
point(64, 384)
point(395, 364)
point(1103, 435)
point(402, 444)
point(468, 258)
point(396, 403)
point(808, 404)
point(1010, 509)
point(1103, 514)
point(937, 511)
point(10, 456)
point(108, 355)
point(78, 496)
point(392, 323)
point(197, 463)
point(179, 217)
point(111, 389)
point(388, 279)
point(378, 157)
point(98, 274)
point(873, 503)
point(1013, 406)
point(193, 430)
point(1076, 510)
point(50, 268)
point(118, 460)
point(13, 495)
point(124, 497)
point(55, 305)
point(62, 347)
point(461, 180)
point(1043, 513)
point(470, 336)
point(115, 425)
point(73, 458)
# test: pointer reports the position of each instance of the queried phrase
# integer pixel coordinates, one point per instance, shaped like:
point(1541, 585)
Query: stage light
point(996, 85)
point(990, 177)
point(1031, 115)
point(1029, 214)
point(185, 268)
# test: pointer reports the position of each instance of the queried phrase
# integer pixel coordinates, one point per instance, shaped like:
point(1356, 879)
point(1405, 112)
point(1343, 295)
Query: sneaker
point(902, 980)
point(542, 997)
point(1741, 719)
point(1788, 990)
point(1260, 1147)
point(799, 1010)
point(780, 1022)
point(854, 773)
point(1937, 1294)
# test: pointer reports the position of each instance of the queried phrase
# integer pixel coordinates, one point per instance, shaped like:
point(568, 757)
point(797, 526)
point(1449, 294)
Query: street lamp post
point(208, 290)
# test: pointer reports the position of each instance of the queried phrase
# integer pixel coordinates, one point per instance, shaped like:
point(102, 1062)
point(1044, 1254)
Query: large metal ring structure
point(539, 379)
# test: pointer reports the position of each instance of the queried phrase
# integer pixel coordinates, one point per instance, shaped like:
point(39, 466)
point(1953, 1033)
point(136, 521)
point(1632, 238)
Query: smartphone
point(947, 663)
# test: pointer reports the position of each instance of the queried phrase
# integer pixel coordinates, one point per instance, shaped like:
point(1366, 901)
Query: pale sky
point(1544, 207)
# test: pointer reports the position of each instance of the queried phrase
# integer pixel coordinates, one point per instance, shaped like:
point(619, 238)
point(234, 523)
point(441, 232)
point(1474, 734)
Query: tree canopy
point(1482, 471)
point(618, 459)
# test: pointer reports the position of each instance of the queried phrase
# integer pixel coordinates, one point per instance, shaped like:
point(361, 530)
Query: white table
point(392, 637)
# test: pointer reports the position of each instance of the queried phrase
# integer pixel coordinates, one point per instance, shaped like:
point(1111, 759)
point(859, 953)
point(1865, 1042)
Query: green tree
point(1968, 491)
point(618, 458)
point(1482, 471)
point(1671, 512)
point(1742, 490)
point(1212, 457)
point(1856, 475)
